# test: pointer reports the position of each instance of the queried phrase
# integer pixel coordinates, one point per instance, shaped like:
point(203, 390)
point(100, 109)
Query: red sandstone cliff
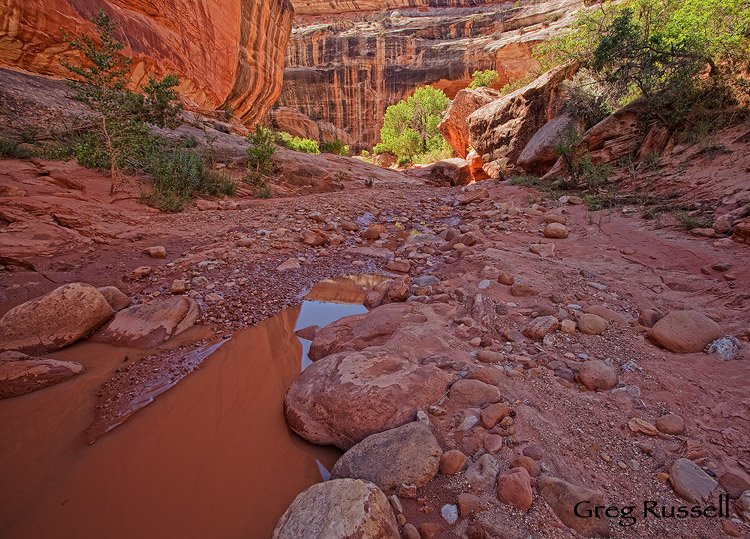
point(226, 52)
point(343, 74)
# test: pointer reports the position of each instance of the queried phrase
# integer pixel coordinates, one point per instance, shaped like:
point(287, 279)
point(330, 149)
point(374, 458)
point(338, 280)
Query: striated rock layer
point(225, 53)
point(347, 72)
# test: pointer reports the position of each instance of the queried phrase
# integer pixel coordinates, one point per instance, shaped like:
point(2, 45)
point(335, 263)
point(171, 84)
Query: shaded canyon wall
point(226, 52)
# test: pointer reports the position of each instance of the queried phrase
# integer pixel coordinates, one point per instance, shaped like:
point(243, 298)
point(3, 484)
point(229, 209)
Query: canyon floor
point(246, 263)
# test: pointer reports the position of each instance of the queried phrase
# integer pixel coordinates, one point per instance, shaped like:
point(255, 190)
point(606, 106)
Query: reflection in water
point(211, 457)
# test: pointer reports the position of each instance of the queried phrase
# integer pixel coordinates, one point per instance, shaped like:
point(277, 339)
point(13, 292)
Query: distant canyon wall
point(341, 76)
point(225, 52)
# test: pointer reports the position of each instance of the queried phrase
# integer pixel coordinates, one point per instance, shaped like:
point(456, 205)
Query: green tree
point(410, 127)
point(121, 114)
point(484, 78)
point(259, 153)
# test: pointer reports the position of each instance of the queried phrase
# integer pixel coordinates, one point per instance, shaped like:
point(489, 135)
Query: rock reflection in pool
point(212, 457)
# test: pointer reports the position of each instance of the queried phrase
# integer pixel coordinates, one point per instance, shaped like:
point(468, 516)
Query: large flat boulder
point(336, 509)
point(685, 332)
point(344, 398)
point(21, 374)
point(149, 324)
point(59, 318)
point(407, 454)
point(564, 497)
point(500, 130)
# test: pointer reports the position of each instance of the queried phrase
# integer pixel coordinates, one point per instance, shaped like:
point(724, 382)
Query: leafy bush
point(178, 173)
point(578, 164)
point(673, 53)
point(336, 147)
point(484, 78)
point(410, 127)
point(12, 149)
point(297, 144)
point(122, 114)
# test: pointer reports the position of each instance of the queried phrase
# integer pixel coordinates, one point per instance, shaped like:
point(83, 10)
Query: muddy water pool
point(211, 457)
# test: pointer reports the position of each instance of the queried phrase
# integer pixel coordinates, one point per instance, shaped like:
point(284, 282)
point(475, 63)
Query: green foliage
point(10, 148)
point(297, 144)
point(160, 103)
point(689, 222)
point(525, 180)
point(578, 164)
point(673, 53)
point(410, 127)
point(119, 136)
point(260, 151)
point(484, 78)
point(336, 147)
point(178, 173)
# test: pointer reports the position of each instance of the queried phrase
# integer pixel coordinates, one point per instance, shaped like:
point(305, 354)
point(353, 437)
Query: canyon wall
point(345, 73)
point(226, 52)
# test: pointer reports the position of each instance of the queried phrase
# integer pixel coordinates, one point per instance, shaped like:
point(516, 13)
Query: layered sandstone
point(225, 53)
point(346, 73)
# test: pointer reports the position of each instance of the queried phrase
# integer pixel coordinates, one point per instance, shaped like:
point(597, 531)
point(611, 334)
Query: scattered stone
point(244, 242)
point(488, 356)
point(410, 531)
point(428, 530)
point(452, 462)
point(338, 508)
point(597, 374)
point(608, 314)
point(468, 503)
point(406, 454)
point(399, 289)
point(116, 299)
point(373, 232)
point(541, 326)
point(178, 286)
point(149, 324)
point(671, 424)
point(721, 267)
point(545, 250)
point(641, 426)
point(376, 296)
point(314, 238)
point(533, 451)
point(481, 475)
point(57, 319)
point(689, 481)
point(592, 324)
point(349, 226)
point(648, 317)
point(474, 196)
point(506, 278)
point(449, 512)
point(742, 506)
point(292, 263)
point(399, 266)
point(21, 374)
point(554, 218)
point(493, 414)
point(492, 443)
point(408, 492)
point(156, 252)
point(568, 326)
point(308, 333)
point(527, 463)
point(347, 396)
point(556, 230)
point(140, 272)
point(474, 393)
point(684, 332)
point(734, 484)
point(726, 348)
point(730, 529)
point(523, 290)
point(514, 488)
point(562, 497)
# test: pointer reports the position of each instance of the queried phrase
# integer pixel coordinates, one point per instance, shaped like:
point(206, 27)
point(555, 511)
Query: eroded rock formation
point(225, 53)
point(347, 72)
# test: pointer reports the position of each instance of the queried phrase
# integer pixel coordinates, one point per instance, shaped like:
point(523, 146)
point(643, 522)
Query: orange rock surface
point(225, 52)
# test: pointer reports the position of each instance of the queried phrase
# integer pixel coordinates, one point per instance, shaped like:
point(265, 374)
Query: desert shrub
point(484, 78)
point(178, 174)
point(297, 144)
point(120, 127)
point(675, 54)
point(410, 126)
point(578, 165)
point(336, 147)
point(13, 149)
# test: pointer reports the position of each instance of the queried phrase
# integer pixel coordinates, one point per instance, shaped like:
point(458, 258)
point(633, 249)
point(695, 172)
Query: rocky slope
point(225, 53)
point(344, 74)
